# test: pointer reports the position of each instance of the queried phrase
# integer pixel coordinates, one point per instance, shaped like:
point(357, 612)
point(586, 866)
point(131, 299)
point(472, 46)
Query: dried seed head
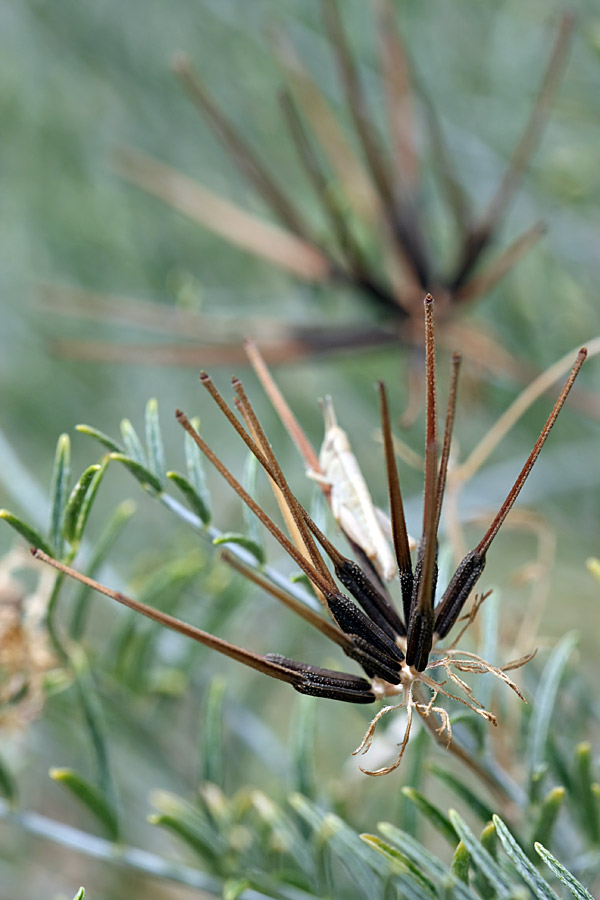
point(398, 653)
point(25, 654)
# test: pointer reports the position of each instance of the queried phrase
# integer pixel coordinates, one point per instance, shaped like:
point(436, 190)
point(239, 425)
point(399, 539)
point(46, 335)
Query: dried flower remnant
point(399, 652)
point(25, 654)
point(370, 189)
point(362, 522)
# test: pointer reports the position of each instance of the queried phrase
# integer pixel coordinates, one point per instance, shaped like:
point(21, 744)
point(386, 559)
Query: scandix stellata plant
point(398, 652)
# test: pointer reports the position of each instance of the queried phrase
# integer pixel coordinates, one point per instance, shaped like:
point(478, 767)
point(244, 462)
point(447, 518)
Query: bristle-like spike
point(514, 492)
point(308, 568)
point(259, 445)
point(472, 566)
point(247, 657)
point(458, 200)
point(240, 151)
point(304, 678)
point(290, 422)
point(450, 413)
point(274, 470)
point(398, 95)
point(208, 383)
point(399, 530)
point(420, 625)
point(356, 100)
point(482, 232)
point(350, 250)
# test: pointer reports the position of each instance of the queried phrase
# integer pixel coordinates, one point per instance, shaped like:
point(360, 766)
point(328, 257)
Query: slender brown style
point(395, 650)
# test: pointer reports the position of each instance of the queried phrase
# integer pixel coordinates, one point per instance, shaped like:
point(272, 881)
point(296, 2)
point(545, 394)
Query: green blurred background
point(80, 80)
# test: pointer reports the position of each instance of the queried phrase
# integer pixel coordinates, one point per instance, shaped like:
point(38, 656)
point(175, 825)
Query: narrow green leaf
point(398, 862)
point(331, 833)
point(560, 766)
point(423, 858)
point(194, 500)
point(304, 580)
point(303, 746)
point(233, 887)
point(90, 496)
point(231, 537)
point(133, 445)
point(30, 534)
point(194, 461)
point(461, 863)
point(90, 796)
point(186, 822)
point(102, 546)
point(283, 833)
point(59, 491)
point(212, 749)
point(530, 875)
point(104, 439)
point(563, 874)
point(545, 699)
point(93, 718)
point(139, 471)
point(8, 787)
point(489, 840)
point(80, 895)
point(201, 843)
point(436, 818)
point(75, 503)
point(460, 788)
point(154, 442)
point(481, 858)
point(549, 809)
point(583, 781)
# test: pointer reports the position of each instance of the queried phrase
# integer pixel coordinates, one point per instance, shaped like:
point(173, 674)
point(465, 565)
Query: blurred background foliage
point(81, 81)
